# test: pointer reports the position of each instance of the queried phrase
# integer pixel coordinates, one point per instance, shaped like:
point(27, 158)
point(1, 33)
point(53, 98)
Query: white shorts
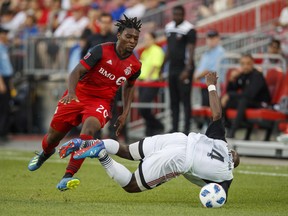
point(163, 158)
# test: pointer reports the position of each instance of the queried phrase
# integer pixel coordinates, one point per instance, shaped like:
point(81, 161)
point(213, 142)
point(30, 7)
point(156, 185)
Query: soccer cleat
point(68, 183)
point(37, 161)
point(69, 147)
point(91, 151)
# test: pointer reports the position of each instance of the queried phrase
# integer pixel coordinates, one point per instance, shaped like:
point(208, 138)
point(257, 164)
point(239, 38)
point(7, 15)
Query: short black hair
point(179, 7)
point(128, 23)
point(105, 14)
point(275, 41)
point(247, 55)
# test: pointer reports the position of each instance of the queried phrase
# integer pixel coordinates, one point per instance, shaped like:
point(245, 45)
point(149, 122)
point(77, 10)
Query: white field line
point(262, 173)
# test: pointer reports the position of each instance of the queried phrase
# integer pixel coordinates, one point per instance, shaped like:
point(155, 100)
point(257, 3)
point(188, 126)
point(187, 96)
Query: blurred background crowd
point(45, 39)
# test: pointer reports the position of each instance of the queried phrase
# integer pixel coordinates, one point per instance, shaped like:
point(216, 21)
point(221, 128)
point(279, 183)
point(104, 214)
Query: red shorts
point(70, 115)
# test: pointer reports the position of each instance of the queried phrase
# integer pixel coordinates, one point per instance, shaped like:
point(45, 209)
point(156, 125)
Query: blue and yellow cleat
point(91, 151)
point(68, 183)
point(37, 161)
point(69, 147)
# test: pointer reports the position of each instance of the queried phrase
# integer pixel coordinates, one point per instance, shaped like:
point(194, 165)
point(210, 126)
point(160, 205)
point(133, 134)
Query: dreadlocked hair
point(128, 23)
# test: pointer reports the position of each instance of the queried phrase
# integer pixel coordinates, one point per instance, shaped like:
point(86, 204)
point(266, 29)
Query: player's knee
point(54, 136)
point(132, 187)
point(91, 126)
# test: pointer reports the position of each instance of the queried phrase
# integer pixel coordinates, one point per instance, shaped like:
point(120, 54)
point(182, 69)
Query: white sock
point(112, 146)
point(115, 170)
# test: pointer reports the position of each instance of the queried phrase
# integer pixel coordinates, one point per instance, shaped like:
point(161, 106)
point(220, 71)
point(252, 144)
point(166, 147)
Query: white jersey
point(207, 159)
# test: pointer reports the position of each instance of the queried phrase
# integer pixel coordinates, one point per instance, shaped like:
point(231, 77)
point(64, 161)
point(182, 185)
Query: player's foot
point(68, 183)
point(37, 161)
point(69, 147)
point(91, 151)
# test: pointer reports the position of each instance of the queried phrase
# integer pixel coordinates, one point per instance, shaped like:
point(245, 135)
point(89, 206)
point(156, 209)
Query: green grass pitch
point(256, 190)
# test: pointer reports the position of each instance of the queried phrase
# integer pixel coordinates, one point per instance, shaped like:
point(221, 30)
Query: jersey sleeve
point(92, 57)
point(192, 36)
point(134, 77)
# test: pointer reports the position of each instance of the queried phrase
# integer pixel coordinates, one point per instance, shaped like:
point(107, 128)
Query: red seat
point(258, 114)
point(201, 111)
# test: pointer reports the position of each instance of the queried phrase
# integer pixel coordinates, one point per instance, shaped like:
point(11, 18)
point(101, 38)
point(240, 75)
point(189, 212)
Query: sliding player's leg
point(156, 168)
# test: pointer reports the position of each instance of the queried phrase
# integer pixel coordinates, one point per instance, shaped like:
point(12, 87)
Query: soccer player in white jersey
point(200, 158)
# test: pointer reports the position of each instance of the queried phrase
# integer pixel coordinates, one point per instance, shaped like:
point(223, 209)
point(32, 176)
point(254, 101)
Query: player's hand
point(68, 98)
point(184, 75)
point(211, 78)
point(120, 122)
point(224, 100)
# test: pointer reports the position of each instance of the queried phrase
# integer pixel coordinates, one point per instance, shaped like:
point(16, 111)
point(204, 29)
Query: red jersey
point(107, 71)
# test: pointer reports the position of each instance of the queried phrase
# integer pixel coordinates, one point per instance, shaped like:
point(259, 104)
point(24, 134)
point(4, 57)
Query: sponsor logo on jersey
point(106, 74)
point(128, 70)
point(111, 76)
point(87, 55)
point(109, 62)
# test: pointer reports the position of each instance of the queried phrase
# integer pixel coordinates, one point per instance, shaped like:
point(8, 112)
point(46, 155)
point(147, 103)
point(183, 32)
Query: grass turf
point(34, 193)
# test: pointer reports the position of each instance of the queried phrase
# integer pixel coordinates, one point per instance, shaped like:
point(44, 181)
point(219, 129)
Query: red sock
point(74, 165)
point(48, 148)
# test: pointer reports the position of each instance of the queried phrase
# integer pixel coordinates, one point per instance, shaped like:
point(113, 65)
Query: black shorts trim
point(140, 148)
point(142, 177)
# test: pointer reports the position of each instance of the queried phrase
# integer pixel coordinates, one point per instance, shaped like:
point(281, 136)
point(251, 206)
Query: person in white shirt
point(283, 19)
point(73, 25)
point(135, 8)
point(200, 158)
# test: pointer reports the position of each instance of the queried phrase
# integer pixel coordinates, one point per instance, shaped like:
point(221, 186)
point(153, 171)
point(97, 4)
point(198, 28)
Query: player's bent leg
point(132, 187)
point(89, 128)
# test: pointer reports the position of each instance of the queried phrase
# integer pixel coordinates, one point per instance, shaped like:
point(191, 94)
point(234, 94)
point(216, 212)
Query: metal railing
point(48, 56)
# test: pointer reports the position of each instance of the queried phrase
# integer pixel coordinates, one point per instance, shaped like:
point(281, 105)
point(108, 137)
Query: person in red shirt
point(92, 86)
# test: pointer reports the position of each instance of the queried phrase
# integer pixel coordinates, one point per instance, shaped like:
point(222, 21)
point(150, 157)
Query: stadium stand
point(246, 26)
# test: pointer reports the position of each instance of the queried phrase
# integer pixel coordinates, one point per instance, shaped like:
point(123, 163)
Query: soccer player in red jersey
point(92, 86)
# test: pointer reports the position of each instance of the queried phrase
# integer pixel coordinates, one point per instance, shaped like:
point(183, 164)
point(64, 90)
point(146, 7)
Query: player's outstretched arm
point(127, 97)
point(214, 101)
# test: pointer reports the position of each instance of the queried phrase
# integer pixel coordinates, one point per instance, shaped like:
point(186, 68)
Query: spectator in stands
point(209, 61)
point(205, 9)
point(274, 48)
point(28, 30)
point(135, 8)
point(73, 25)
point(152, 59)
point(246, 88)
point(13, 22)
point(6, 72)
point(283, 19)
point(118, 9)
point(40, 12)
point(105, 34)
point(181, 41)
point(56, 16)
point(93, 26)
point(222, 5)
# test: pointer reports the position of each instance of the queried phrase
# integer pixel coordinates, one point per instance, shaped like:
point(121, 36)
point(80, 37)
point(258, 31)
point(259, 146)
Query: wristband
point(211, 88)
